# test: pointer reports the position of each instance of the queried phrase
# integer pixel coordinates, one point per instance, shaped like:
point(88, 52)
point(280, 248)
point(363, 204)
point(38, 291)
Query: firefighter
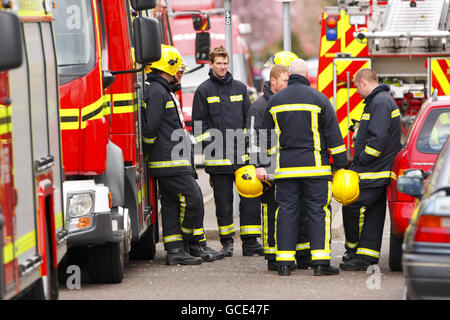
point(196, 245)
point(376, 144)
point(278, 80)
point(307, 130)
point(220, 106)
point(181, 200)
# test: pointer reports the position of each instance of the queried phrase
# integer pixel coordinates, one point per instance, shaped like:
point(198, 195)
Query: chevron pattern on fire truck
point(440, 76)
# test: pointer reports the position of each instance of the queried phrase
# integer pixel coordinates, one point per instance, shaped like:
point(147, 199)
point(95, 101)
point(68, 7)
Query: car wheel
point(395, 252)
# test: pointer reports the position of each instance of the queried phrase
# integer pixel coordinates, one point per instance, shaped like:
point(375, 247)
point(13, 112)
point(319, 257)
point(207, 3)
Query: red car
point(424, 142)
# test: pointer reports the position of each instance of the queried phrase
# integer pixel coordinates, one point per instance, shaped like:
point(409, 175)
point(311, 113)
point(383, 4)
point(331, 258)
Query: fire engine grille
point(425, 17)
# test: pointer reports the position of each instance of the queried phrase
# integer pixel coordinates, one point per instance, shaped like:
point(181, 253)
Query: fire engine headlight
point(80, 204)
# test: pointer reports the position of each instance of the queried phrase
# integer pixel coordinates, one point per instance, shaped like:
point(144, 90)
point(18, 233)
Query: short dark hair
point(219, 51)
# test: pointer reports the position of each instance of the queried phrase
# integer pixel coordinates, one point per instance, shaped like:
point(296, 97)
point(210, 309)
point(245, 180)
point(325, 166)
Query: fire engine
point(403, 41)
point(32, 229)
point(110, 203)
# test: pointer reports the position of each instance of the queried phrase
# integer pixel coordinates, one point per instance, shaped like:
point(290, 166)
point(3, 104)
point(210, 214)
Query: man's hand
point(261, 174)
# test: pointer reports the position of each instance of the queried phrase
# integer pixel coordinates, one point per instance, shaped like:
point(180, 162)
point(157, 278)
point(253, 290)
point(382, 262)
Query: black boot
point(218, 254)
point(272, 265)
point(227, 247)
point(251, 246)
point(179, 256)
point(304, 262)
point(196, 250)
point(356, 264)
point(348, 255)
point(284, 270)
point(325, 270)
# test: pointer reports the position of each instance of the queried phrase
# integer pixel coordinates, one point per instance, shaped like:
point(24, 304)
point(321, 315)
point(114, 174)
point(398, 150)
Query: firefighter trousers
point(364, 223)
point(181, 206)
point(269, 208)
point(314, 197)
point(249, 209)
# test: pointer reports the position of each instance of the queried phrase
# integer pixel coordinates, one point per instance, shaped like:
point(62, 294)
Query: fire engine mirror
point(10, 39)
point(143, 4)
point(146, 35)
point(201, 21)
point(202, 47)
point(108, 79)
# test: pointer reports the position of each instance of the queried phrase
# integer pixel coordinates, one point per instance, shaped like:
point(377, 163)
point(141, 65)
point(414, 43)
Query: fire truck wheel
point(106, 263)
point(145, 248)
point(395, 252)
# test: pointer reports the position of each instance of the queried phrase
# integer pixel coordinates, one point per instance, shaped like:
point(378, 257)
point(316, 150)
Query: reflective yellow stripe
point(328, 219)
point(245, 157)
point(236, 98)
point(92, 112)
point(123, 103)
point(69, 119)
point(21, 245)
point(372, 151)
point(376, 175)
point(265, 223)
point(8, 253)
point(362, 211)
point(58, 220)
point(320, 254)
point(213, 99)
point(149, 140)
point(368, 252)
point(250, 229)
point(225, 230)
point(338, 149)
point(316, 137)
point(183, 211)
point(283, 255)
point(168, 164)
point(172, 238)
point(303, 246)
point(294, 107)
point(294, 172)
point(395, 113)
point(198, 232)
point(170, 104)
point(271, 151)
point(204, 136)
point(5, 126)
point(351, 245)
point(365, 116)
point(220, 162)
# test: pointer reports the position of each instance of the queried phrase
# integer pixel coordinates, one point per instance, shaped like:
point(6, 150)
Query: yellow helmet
point(247, 184)
point(170, 60)
point(281, 57)
point(345, 186)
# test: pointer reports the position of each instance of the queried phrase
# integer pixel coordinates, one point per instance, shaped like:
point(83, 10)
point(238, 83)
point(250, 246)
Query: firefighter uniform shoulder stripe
point(372, 151)
point(213, 99)
point(395, 113)
point(236, 98)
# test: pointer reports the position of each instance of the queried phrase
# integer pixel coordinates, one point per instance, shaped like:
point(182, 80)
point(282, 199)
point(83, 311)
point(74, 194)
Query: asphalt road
point(244, 278)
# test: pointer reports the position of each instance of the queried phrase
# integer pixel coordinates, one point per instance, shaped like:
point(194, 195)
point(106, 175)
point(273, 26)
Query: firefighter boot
point(251, 246)
point(227, 246)
point(304, 262)
point(325, 270)
point(356, 264)
point(272, 265)
point(348, 255)
point(284, 270)
point(196, 250)
point(179, 256)
point(219, 254)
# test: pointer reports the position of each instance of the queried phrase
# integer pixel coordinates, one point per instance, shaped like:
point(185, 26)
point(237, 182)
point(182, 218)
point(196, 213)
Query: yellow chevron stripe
point(325, 77)
point(440, 76)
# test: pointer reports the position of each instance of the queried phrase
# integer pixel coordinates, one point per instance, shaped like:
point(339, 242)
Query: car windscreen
point(75, 38)
point(191, 81)
point(434, 131)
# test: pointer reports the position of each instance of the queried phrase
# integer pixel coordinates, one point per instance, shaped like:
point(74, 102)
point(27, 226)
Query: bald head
point(298, 66)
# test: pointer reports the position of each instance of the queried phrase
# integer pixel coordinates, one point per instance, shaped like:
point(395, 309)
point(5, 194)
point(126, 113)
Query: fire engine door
point(439, 75)
point(346, 100)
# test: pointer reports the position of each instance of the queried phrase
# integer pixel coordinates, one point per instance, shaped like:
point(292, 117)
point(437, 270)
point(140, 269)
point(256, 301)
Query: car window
point(434, 131)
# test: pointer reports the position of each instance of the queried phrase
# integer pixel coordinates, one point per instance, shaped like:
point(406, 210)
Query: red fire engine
point(404, 42)
point(33, 236)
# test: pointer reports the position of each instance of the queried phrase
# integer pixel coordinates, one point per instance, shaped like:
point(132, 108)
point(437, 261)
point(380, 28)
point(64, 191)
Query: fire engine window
point(38, 90)
point(105, 57)
point(75, 38)
point(434, 131)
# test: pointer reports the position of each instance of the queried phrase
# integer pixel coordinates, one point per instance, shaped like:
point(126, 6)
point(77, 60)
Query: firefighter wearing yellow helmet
point(177, 185)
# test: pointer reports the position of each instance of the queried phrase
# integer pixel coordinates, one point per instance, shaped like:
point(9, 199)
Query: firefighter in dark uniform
point(308, 131)
point(195, 245)
point(279, 76)
point(220, 106)
point(181, 201)
point(376, 144)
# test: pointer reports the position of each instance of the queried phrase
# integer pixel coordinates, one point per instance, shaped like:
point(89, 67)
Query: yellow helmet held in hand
point(345, 186)
point(247, 184)
point(281, 57)
point(170, 60)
